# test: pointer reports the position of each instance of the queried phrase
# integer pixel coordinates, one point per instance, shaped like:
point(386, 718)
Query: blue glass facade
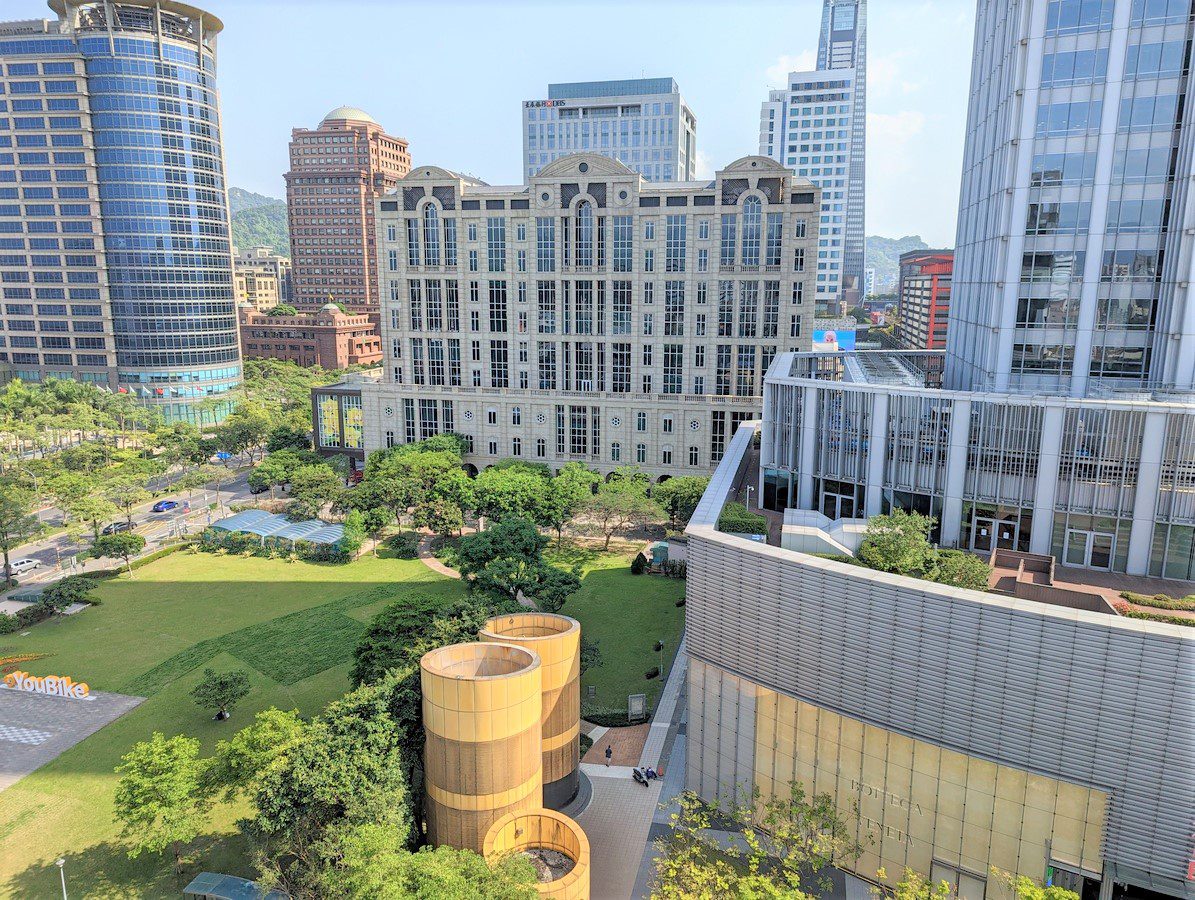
point(140, 126)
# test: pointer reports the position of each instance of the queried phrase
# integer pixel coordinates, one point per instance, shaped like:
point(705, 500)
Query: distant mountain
point(883, 255)
point(241, 199)
point(258, 221)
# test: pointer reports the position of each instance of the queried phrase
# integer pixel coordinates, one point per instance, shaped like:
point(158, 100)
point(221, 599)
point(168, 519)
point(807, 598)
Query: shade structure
point(544, 829)
point(557, 640)
point(482, 704)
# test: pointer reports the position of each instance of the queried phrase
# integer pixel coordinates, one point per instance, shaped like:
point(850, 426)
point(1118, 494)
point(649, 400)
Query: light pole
point(750, 488)
point(61, 863)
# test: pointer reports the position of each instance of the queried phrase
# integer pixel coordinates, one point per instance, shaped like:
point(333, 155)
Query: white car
point(20, 566)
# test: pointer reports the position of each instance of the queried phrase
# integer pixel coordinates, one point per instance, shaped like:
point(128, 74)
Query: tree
point(781, 840)
point(294, 434)
point(897, 543)
point(65, 592)
point(629, 479)
point(68, 488)
point(17, 521)
point(506, 562)
point(680, 496)
point(283, 309)
point(244, 430)
point(620, 508)
point(221, 691)
point(93, 510)
point(385, 643)
point(573, 484)
point(159, 800)
point(504, 493)
point(591, 654)
point(1025, 888)
point(122, 545)
point(126, 493)
point(315, 486)
point(439, 516)
point(960, 569)
point(239, 764)
point(372, 868)
point(914, 886)
point(267, 475)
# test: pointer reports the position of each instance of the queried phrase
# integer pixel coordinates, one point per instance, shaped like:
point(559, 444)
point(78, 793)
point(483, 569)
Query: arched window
point(666, 455)
point(541, 447)
point(641, 453)
point(431, 235)
point(694, 456)
point(516, 446)
point(516, 415)
point(615, 452)
point(584, 236)
point(752, 216)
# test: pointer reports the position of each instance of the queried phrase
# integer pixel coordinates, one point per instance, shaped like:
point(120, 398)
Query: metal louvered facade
point(1085, 708)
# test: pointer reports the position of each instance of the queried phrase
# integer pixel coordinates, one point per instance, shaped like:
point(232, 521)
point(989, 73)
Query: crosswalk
point(18, 735)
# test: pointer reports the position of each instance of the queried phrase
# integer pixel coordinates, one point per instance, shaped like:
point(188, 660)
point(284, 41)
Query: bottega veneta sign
point(54, 685)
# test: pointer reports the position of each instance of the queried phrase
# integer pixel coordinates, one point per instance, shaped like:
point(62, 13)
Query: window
point(621, 321)
point(675, 243)
point(584, 233)
point(623, 231)
point(499, 365)
point(471, 231)
point(516, 415)
point(648, 323)
point(694, 456)
point(412, 242)
point(752, 215)
point(615, 452)
point(641, 421)
point(1074, 16)
point(703, 230)
point(649, 260)
point(431, 235)
point(649, 229)
point(516, 446)
point(496, 243)
point(666, 456)
point(674, 308)
point(798, 259)
point(493, 448)
point(541, 448)
point(774, 239)
point(491, 417)
point(641, 453)
point(472, 260)
point(545, 244)
point(729, 231)
point(667, 424)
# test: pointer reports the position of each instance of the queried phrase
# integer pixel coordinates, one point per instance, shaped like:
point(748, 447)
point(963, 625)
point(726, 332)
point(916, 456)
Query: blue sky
point(450, 77)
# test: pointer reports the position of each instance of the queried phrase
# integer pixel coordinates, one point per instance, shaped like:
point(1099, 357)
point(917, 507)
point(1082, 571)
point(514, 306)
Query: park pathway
point(429, 559)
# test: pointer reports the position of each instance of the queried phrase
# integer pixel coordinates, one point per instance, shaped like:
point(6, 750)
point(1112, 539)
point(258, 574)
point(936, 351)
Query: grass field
point(626, 614)
point(291, 626)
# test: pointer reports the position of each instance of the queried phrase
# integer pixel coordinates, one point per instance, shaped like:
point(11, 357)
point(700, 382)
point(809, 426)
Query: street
point(57, 553)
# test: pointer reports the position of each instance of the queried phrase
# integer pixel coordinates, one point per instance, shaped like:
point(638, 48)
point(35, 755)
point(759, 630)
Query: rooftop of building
point(922, 370)
point(349, 113)
point(587, 90)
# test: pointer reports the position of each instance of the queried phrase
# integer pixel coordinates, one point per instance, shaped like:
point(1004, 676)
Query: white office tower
point(644, 123)
point(1074, 248)
point(816, 126)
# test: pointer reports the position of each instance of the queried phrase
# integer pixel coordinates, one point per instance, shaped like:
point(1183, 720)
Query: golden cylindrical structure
point(544, 829)
point(481, 717)
point(557, 640)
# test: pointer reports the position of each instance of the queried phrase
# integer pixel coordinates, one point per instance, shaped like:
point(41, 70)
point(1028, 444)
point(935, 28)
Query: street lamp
point(750, 488)
point(61, 863)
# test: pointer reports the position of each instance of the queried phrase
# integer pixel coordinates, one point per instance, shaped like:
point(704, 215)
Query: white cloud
point(777, 73)
point(891, 140)
point(703, 165)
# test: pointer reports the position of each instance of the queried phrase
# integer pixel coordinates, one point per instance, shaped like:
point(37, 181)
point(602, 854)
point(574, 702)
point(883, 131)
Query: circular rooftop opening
point(529, 625)
point(474, 661)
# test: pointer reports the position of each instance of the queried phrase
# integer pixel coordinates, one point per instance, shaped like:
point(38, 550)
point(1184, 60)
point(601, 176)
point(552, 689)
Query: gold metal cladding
point(557, 640)
point(482, 706)
point(548, 830)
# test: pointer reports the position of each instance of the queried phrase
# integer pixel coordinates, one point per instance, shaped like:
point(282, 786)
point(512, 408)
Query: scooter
point(639, 777)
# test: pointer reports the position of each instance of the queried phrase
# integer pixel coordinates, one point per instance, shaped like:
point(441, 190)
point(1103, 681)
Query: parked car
point(21, 566)
point(165, 505)
point(116, 527)
point(260, 489)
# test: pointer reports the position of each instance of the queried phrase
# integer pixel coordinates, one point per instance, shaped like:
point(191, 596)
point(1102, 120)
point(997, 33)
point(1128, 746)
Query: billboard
point(831, 340)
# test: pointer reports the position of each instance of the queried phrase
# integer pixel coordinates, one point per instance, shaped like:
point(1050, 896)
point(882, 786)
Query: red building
point(924, 299)
point(336, 172)
point(329, 338)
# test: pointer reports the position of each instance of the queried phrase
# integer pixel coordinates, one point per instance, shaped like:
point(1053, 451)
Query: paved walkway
point(627, 744)
point(617, 822)
point(35, 728)
point(428, 558)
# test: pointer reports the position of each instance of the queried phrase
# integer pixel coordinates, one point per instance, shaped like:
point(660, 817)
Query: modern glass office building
point(116, 263)
point(1074, 252)
point(644, 123)
point(816, 126)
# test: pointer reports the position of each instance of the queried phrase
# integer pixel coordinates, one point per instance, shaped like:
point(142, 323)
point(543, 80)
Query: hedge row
point(736, 518)
point(214, 539)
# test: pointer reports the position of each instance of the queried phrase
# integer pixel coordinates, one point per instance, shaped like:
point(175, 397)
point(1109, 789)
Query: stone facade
point(589, 315)
point(262, 277)
point(329, 339)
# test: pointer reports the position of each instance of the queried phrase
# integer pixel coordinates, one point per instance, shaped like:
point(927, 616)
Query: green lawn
point(626, 614)
point(291, 626)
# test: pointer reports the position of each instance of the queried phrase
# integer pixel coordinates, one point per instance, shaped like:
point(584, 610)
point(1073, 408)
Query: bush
point(1161, 601)
point(959, 568)
point(737, 519)
point(653, 672)
point(839, 557)
point(675, 568)
point(8, 624)
point(1124, 609)
point(680, 602)
point(404, 545)
point(639, 564)
point(659, 645)
point(32, 614)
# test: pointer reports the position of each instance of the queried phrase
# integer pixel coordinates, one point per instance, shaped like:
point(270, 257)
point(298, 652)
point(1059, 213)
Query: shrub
point(32, 614)
point(680, 602)
point(839, 557)
point(737, 519)
point(1125, 610)
point(675, 568)
point(958, 568)
point(659, 645)
point(404, 545)
point(1161, 601)
point(638, 564)
point(8, 624)
point(653, 672)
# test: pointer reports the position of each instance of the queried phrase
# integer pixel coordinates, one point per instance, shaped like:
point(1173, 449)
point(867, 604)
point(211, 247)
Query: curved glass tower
point(145, 163)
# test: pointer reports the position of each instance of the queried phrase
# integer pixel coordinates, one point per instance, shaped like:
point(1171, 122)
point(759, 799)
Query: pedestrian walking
point(609, 753)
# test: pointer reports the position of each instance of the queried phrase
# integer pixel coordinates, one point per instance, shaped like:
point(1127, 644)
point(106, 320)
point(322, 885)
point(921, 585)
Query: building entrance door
point(838, 506)
point(991, 533)
point(1090, 549)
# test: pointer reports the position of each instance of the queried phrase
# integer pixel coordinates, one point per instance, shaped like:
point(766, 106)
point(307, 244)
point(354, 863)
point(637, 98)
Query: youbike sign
point(52, 685)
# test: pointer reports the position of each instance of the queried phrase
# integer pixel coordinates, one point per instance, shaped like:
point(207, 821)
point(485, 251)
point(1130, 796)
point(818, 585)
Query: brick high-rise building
point(336, 172)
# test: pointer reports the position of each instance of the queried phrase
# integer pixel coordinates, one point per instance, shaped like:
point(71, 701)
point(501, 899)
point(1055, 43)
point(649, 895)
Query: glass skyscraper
point(816, 125)
point(1074, 252)
point(115, 253)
